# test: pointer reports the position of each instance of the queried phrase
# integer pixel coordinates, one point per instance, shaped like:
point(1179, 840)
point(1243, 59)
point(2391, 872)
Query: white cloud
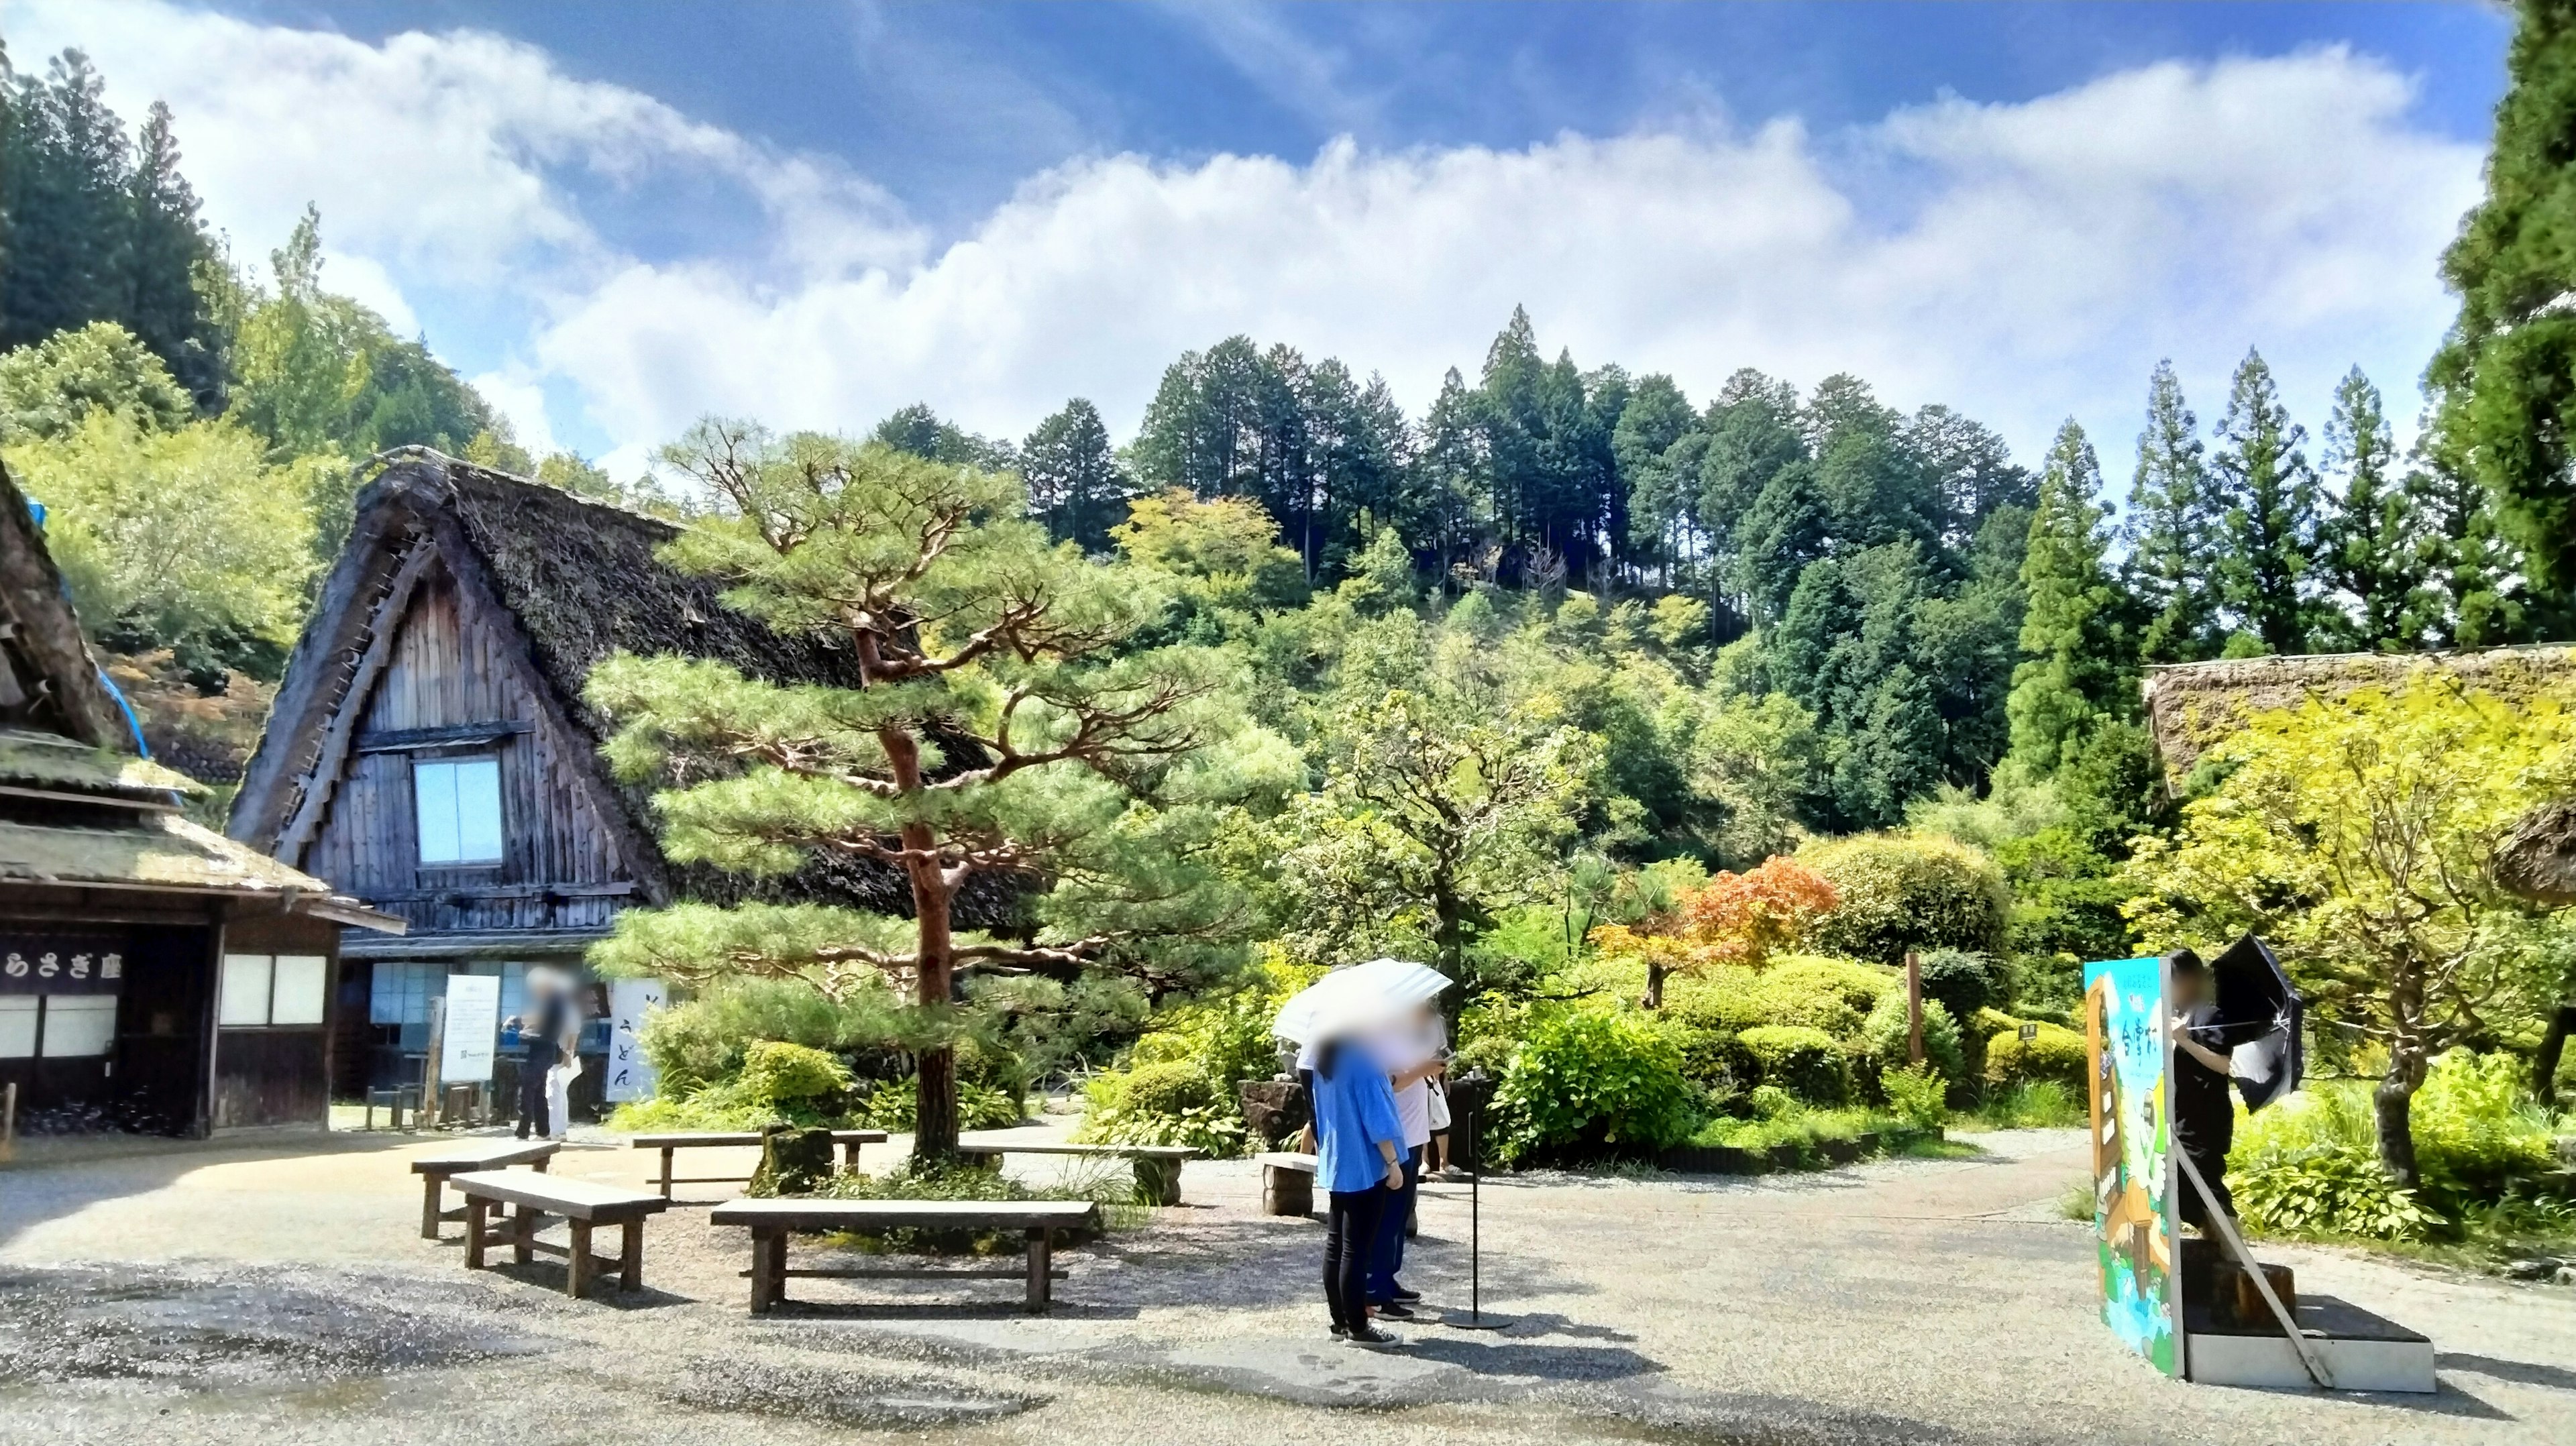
point(521, 400)
point(2022, 262)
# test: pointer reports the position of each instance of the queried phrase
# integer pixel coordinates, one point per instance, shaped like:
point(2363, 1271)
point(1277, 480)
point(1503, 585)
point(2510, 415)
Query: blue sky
point(619, 216)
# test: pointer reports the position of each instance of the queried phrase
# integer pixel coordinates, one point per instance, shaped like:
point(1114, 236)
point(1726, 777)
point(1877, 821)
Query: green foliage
point(1591, 1079)
point(2267, 510)
point(50, 388)
point(1171, 1103)
point(2076, 649)
point(2054, 1054)
point(1808, 1063)
point(2042, 1104)
point(706, 1039)
point(1111, 1190)
point(2477, 1131)
point(774, 1073)
point(2301, 1182)
point(2173, 531)
point(1963, 982)
point(1901, 893)
point(184, 539)
point(896, 1105)
point(1884, 1037)
point(1166, 1089)
point(1916, 1093)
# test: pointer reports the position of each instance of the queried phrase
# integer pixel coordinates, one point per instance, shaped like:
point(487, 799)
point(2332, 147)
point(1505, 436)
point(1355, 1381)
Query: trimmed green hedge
point(1808, 1063)
point(1901, 892)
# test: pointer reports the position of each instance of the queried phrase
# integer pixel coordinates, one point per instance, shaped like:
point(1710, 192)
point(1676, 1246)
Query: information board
point(630, 1074)
point(2128, 1062)
point(473, 1027)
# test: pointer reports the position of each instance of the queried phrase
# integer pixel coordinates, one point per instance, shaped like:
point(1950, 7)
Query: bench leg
point(433, 1197)
point(539, 1164)
point(523, 1235)
point(630, 1257)
point(1041, 1269)
point(667, 1172)
point(768, 1270)
point(1158, 1182)
point(478, 1215)
point(850, 1157)
point(577, 1273)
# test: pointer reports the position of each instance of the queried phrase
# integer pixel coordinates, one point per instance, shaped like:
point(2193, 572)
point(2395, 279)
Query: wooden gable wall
point(561, 869)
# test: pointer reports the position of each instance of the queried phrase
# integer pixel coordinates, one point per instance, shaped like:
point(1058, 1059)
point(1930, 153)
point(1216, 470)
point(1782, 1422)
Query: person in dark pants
point(541, 1029)
point(2204, 1114)
point(1412, 1057)
point(1357, 1137)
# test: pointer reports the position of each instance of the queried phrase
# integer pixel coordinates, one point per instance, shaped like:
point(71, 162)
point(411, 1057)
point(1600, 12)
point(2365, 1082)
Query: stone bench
point(1158, 1167)
point(671, 1143)
point(1287, 1182)
point(583, 1204)
point(771, 1221)
point(436, 1169)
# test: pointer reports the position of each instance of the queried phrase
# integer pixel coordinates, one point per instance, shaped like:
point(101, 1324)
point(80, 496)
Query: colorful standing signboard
point(2134, 1200)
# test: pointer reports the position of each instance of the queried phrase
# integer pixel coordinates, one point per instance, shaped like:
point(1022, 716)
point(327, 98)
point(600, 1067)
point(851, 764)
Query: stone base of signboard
point(2360, 1351)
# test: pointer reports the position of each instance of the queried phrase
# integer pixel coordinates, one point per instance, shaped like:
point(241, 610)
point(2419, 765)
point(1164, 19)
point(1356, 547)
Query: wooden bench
point(434, 1171)
point(771, 1221)
point(1287, 1182)
point(1158, 1167)
point(584, 1205)
point(669, 1144)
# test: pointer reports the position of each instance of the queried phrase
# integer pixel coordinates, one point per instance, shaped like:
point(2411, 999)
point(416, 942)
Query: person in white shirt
point(1412, 1057)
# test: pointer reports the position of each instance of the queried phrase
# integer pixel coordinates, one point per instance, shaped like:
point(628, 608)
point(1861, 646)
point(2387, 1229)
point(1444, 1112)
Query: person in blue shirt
point(1359, 1151)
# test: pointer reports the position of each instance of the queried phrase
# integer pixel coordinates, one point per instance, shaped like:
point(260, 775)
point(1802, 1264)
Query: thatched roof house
point(2192, 705)
point(431, 747)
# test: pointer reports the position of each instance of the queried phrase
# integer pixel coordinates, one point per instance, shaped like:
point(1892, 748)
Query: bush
point(1770, 1102)
point(1166, 1089)
point(704, 1041)
point(1805, 1062)
point(1113, 1190)
point(1216, 1131)
point(1963, 982)
point(896, 1105)
point(1590, 1077)
point(2477, 1130)
point(2054, 1054)
point(1884, 1037)
point(1915, 1094)
point(774, 1072)
point(1859, 986)
point(1162, 1048)
point(1900, 893)
point(2327, 1190)
point(1715, 1060)
point(2039, 1105)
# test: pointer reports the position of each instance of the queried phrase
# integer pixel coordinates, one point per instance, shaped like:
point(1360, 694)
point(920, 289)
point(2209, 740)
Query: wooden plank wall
point(444, 675)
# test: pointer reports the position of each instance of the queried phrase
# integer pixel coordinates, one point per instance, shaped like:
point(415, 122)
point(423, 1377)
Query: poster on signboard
point(630, 1074)
point(473, 1026)
point(2133, 1174)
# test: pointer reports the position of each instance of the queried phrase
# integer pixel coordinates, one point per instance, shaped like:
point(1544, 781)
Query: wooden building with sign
point(431, 749)
point(155, 977)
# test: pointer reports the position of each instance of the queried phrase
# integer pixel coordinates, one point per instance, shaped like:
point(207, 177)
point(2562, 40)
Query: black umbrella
point(2256, 1017)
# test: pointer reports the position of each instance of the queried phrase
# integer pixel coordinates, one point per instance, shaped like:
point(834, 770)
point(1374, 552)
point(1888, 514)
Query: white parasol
point(1358, 998)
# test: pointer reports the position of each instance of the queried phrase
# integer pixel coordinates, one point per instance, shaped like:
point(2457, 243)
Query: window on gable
point(458, 805)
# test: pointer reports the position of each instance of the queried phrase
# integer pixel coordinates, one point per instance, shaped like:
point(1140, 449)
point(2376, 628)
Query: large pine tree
point(2077, 669)
point(2268, 514)
point(2506, 377)
point(2172, 531)
point(1006, 730)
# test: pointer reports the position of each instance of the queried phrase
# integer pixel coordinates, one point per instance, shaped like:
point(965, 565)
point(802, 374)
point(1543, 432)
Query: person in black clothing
point(541, 1029)
point(2204, 1115)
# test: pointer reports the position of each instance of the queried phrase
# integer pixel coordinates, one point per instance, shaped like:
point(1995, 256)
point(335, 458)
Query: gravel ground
point(282, 1294)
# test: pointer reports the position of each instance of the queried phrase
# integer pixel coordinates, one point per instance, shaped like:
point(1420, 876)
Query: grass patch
point(2039, 1105)
point(2075, 1202)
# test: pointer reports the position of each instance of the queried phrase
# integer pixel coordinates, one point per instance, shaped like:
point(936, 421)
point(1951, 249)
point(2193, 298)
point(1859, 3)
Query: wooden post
point(429, 1075)
point(433, 1192)
point(630, 1255)
point(8, 1120)
point(477, 1217)
point(578, 1263)
point(523, 1235)
point(1041, 1269)
point(1913, 1006)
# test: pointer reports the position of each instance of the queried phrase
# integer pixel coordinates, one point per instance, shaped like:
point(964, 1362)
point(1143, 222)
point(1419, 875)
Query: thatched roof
point(2191, 706)
point(570, 582)
point(48, 680)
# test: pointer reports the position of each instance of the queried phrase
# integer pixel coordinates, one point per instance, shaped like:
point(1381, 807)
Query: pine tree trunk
point(2394, 1101)
point(2394, 1104)
point(1654, 985)
point(934, 1129)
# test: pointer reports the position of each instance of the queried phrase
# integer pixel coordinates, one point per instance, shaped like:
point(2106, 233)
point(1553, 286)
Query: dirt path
point(278, 1296)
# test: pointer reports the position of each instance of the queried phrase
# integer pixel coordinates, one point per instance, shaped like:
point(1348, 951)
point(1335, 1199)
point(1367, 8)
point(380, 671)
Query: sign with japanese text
point(630, 1074)
point(2128, 1060)
point(473, 1025)
point(63, 964)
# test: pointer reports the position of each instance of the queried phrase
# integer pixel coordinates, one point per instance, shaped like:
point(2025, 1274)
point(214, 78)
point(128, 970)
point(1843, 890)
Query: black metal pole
point(1475, 1113)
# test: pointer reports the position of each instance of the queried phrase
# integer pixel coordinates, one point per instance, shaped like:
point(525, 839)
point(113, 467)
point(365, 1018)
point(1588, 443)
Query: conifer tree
point(2376, 550)
point(1074, 480)
point(2076, 672)
point(2268, 513)
point(2472, 597)
point(2172, 531)
point(1005, 731)
point(2502, 377)
point(169, 308)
